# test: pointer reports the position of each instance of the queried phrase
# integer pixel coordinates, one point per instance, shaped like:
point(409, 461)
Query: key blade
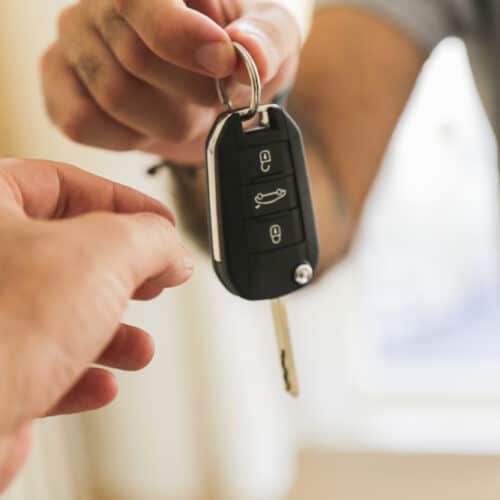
point(282, 331)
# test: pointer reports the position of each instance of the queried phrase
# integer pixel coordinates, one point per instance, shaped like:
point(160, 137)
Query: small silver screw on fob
point(304, 274)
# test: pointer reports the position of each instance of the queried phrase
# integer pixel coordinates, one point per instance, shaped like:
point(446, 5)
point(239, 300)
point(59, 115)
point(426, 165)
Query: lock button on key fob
point(259, 163)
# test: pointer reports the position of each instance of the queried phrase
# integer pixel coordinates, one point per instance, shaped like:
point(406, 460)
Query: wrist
point(188, 171)
point(190, 197)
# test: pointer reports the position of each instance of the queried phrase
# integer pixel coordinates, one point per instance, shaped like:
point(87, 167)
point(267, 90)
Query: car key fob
point(262, 225)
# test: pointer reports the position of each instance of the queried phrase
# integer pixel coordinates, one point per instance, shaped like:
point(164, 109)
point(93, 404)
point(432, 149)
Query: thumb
point(271, 34)
point(138, 248)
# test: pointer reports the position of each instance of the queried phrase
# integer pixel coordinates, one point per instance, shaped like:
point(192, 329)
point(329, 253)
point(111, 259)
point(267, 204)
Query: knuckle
point(184, 129)
point(112, 92)
point(110, 23)
point(124, 42)
point(133, 55)
point(75, 124)
point(89, 69)
point(65, 20)
point(122, 6)
point(46, 59)
point(163, 35)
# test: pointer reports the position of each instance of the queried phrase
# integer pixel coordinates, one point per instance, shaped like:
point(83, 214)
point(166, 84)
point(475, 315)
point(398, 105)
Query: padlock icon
point(276, 234)
point(265, 158)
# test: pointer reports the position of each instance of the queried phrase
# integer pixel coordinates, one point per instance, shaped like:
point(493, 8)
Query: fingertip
point(131, 349)
point(181, 269)
point(148, 291)
point(104, 388)
point(260, 47)
point(155, 257)
point(143, 352)
point(154, 287)
point(179, 273)
point(185, 37)
point(216, 59)
point(271, 34)
point(186, 269)
point(214, 54)
point(188, 263)
point(110, 390)
point(148, 352)
point(96, 389)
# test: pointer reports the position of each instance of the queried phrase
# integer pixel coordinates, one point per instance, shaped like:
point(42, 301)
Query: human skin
point(74, 249)
point(128, 74)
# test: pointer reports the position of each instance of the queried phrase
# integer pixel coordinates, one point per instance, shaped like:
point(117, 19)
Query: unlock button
point(276, 234)
point(272, 232)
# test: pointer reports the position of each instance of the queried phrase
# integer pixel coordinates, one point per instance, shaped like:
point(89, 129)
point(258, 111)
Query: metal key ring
point(253, 73)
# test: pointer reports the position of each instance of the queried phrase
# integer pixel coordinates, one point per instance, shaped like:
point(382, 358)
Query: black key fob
point(262, 225)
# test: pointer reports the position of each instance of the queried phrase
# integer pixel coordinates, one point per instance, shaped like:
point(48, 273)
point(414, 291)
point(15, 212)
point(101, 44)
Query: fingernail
point(188, 262)
point(216, 58)
point(267, 46)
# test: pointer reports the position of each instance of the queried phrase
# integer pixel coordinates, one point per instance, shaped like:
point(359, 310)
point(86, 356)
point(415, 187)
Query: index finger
point(50, 190)
point(180, 35)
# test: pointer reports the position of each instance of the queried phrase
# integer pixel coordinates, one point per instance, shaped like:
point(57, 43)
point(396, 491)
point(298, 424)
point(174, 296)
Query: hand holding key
point(130, 74)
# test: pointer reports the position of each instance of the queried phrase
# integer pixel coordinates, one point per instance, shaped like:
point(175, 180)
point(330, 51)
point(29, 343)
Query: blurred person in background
point(75, 248)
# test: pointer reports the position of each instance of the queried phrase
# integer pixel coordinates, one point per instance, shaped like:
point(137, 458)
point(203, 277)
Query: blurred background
point(398, 348)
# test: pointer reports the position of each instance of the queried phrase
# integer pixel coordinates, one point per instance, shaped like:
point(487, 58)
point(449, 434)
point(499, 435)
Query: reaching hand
point(74, 249)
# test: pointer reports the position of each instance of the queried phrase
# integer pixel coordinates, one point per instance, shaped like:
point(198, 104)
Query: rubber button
point(270, 197)
point(273, 232)
point(265, 161)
